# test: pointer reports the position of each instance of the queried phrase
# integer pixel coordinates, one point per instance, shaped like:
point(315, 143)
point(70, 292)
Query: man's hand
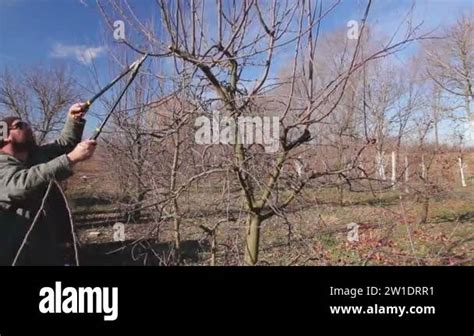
point(83, 151)
point(78, 111)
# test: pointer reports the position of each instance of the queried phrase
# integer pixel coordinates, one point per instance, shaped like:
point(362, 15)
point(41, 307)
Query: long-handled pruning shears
point(133, 68)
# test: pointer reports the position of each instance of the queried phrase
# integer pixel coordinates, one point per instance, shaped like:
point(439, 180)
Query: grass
point(315, 232)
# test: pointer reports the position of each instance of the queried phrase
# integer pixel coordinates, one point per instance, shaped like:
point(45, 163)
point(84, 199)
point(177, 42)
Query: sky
point(38, 32)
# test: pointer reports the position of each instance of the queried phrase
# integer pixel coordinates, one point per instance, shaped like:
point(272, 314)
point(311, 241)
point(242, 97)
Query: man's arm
point(17, 182)
point(71, 134)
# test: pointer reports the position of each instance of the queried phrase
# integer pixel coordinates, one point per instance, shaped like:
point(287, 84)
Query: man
point(26, 171)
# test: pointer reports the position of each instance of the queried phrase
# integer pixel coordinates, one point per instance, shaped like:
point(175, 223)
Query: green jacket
point(22, 187)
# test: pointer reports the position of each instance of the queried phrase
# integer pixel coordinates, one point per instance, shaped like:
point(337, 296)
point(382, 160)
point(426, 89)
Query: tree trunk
point(423, 167)
point(394, 168)
point(425, 210)
point(214, 248)
point(426, 196)
point(252, 239)
point(461, 169)
point(407, 190)
point(380, 163)
point(176, 212)
point(341, 194)
point(177, 229)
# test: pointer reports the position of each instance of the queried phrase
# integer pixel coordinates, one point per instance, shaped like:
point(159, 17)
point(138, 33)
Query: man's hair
point(9, 122)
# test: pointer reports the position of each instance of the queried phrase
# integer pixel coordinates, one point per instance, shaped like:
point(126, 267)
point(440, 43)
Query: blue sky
point(30, 30)
point(36, 32)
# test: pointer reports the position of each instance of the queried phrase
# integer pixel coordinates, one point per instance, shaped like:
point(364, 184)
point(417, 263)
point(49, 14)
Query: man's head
point(19, 135)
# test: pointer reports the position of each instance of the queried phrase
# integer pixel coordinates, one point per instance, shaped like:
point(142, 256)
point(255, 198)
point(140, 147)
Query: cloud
point(82, 53)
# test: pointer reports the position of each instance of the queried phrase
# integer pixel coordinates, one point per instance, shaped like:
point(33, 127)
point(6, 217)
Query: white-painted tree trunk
point(461, 169)
point(394, 168)
point(423, 167)
point(380, 163)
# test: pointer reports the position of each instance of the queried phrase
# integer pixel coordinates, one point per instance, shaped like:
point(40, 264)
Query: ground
point(313, 233)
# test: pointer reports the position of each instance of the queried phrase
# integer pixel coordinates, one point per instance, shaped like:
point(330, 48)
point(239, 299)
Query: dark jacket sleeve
point(70, 136)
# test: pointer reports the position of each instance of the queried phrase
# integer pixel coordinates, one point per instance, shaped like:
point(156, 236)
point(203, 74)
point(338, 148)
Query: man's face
point(21, 136)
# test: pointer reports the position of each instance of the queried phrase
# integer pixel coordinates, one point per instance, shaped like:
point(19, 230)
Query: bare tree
point(452, 62)
point(249, 39)
point(38, 95)
point(451, 67)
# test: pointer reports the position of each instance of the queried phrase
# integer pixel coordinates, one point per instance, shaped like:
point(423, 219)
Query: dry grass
point(314, 231)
